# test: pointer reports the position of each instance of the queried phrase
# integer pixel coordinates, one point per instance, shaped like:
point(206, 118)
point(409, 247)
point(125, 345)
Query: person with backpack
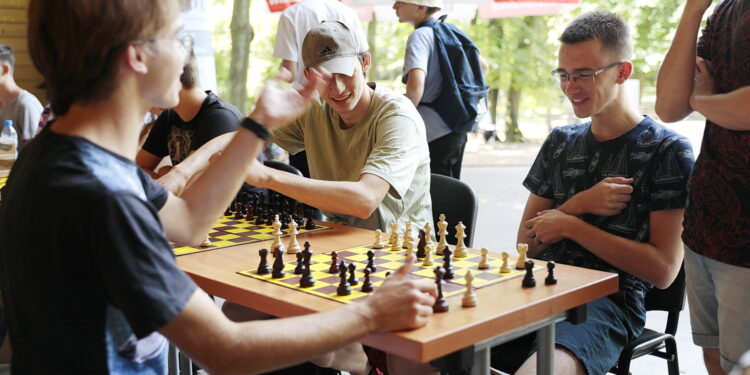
point(443, 73)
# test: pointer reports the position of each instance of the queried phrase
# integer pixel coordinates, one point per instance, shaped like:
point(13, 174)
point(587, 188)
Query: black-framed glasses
point(562, 76)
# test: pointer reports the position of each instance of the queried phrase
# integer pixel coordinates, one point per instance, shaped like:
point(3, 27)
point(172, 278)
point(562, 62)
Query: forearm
point(730, 110)
point(674, 83)
point(415, 85)
point(198, 160)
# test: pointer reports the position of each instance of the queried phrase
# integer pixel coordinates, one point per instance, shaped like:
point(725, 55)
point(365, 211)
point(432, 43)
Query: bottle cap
point(8, 122)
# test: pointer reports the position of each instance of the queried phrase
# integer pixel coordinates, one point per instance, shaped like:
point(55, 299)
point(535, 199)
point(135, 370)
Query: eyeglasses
point(562, 76)
point(186, 41)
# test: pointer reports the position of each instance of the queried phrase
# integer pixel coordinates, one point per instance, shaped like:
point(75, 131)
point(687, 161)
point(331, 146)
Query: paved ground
point(496, 171)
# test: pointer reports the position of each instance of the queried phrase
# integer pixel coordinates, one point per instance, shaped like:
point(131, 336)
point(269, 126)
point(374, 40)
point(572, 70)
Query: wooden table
point(505, 310)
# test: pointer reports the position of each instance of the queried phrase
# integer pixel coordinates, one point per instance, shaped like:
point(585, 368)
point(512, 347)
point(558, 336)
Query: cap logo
point(326, 52)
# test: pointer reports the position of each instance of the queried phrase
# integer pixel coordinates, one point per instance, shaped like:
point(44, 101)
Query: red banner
point(280, 5)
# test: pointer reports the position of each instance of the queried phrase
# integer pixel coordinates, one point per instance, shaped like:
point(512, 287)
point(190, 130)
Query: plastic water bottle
point(8, 145)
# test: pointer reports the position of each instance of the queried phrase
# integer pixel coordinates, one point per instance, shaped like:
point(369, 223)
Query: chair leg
point(623, 364)
point(673, 364)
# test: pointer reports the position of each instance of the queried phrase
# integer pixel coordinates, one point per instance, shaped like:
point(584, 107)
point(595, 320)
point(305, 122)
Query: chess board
point(386, 261)
point(229, 231)
point(3, 180)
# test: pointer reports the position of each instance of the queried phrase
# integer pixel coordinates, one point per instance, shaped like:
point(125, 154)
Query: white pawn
point(483, 265)
point(443, 234)
point(460, 250)
point(522, 249)
point(504, 268)
point(395, 240)
point(407, 230)
point(293, 246)
point(408, 240)
point(206, 242)
point(427, 255)
point(394, 233)
point(378, 244)
point(470, 298)
point(277, 234)
point(428, 234)
point(409, 249)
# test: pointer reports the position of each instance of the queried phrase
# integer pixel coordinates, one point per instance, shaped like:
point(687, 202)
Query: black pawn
point(334, 265)
point(421, 244)
point(550, 279)
point(307, 279)
point(343, 289)
point(447, 266)
point(528, 279)
point(249, 216)
point(353, 280)
point(278, 264)
point(300, 265)
point(310, 223)
point(260, 215)
point(441, 305)
point(370, 261)
point(367, 285)
point(238, 211)
point(263, 268)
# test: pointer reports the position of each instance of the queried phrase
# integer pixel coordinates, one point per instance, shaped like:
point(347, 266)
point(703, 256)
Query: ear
point(366, 62)
point(4, 69)
point(624, 72)
point(135, 58)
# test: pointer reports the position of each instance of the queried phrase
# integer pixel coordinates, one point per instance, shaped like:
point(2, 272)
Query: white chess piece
point(443, 234)
point(428, 234)
point(277, 234)
point(407, 230)
point(520, 262)
point(293, 246)
point(394, 234)
point(378, 244)
point(460, 249)
point(427, 255)
point(483, 265)
point(408, 240)
point(504, 267)
point(409, 248)
point(470, 298)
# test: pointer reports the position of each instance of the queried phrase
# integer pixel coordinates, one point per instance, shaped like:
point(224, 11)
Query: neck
point(352, 118)
point(190, 103)
point(419, 20)
point(617, 120)
point(8, 91)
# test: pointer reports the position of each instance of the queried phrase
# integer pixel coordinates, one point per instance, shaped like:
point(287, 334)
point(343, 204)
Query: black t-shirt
point(176, 138)
point(86, 272)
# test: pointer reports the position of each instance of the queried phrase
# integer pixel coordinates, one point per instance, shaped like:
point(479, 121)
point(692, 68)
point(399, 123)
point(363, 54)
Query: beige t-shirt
point(389, 143)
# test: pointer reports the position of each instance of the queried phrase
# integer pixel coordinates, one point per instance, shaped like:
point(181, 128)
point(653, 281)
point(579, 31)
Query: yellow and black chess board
point(3, 180)
point(229, 231)
point(387, 261)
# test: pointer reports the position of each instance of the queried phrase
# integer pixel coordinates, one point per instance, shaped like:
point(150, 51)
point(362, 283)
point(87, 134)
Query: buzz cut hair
point(6, 56)
point(601, 25)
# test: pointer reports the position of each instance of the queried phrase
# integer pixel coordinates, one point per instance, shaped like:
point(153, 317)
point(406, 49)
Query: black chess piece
point(263, 268)
point(307, 279)
point(367, 284)
point(343, 289)
point(550, 279)
point(334, 265)
point(441, 305)
point(421, 244)
point(278, 264)
point(300, 264)
point(353, 280)
point(269, 218)
point(284, 221)
point(370, 261)
point(230, 209)
point(528, 279)
point(309, 223)
point(260, 217)
point(447, 266)
point(238, 210)
point(249, 217)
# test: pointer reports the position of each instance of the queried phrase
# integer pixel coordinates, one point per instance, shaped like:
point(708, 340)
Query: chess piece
point(263, 268)
point(409, 250)
point(441, 305)
point(293, 246)
point(442, 234)
point(522, 249)
point(370, 261)
point(550, 279)
point(343, 289)
point(238, 211)
point(206, 242)
point(428, 235)
point(277, 234)
point(427, 255)
point(460, 249)
point(300, 265)
point(249, 217)
point(447, 267)
point(421, 244)
point(504, 268)
point(378, 244)
point(394, 234)
point(470, 298)
point(309, 222)
point(353, 280)
point(483, 265)
point(407, 231)
point(409, 242)
point(278, 264)
point(528, 279)
point(307, 279)
point(395, 245)
point(367, 284)
point(334, 265)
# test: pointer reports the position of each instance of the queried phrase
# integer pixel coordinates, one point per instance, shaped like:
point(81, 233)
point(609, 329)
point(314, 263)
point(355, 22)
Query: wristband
point(258, 129)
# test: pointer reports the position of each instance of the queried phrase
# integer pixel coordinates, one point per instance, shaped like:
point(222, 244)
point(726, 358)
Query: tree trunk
point(242, 35)
point(512, 132)
point(492, 104)
point(372, 28)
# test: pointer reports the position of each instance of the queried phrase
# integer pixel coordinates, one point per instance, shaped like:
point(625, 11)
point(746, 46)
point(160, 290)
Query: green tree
point(242, 36)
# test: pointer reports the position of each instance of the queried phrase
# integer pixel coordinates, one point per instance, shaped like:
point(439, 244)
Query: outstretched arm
point(224, 347)
point(675, 80)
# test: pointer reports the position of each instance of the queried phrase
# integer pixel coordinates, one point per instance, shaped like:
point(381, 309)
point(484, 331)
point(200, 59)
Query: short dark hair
point(601, 25)
point(189, 77)
point(431, 10)
point(102, 31)
point(6, 56)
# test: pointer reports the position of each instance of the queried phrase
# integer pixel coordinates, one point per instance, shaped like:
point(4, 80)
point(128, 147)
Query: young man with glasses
point(91, 287)
point(606, 194)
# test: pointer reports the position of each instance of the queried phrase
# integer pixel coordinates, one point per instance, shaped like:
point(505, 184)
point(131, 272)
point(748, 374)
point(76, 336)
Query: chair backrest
point(671, 300)
point(282, 167)
point(457, 201)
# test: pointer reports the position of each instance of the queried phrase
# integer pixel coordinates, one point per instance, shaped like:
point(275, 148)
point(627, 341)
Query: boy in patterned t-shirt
point(607, 194)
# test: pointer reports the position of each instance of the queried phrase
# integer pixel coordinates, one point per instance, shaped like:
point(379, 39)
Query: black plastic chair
point(457, 201)
point(662, 345)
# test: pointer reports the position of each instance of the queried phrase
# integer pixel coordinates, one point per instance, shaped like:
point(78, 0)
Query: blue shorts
point(611, 322)
point(719, 301)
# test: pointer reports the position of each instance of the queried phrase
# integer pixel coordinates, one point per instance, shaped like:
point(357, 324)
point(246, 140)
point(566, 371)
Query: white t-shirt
point(298, 19)
point(389, 143)
point(25, 111)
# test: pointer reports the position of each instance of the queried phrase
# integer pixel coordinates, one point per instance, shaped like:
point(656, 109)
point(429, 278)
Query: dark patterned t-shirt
point(717, 221)
point(572, 160)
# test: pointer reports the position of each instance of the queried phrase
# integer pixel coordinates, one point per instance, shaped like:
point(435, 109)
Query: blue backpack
point(463, 86)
